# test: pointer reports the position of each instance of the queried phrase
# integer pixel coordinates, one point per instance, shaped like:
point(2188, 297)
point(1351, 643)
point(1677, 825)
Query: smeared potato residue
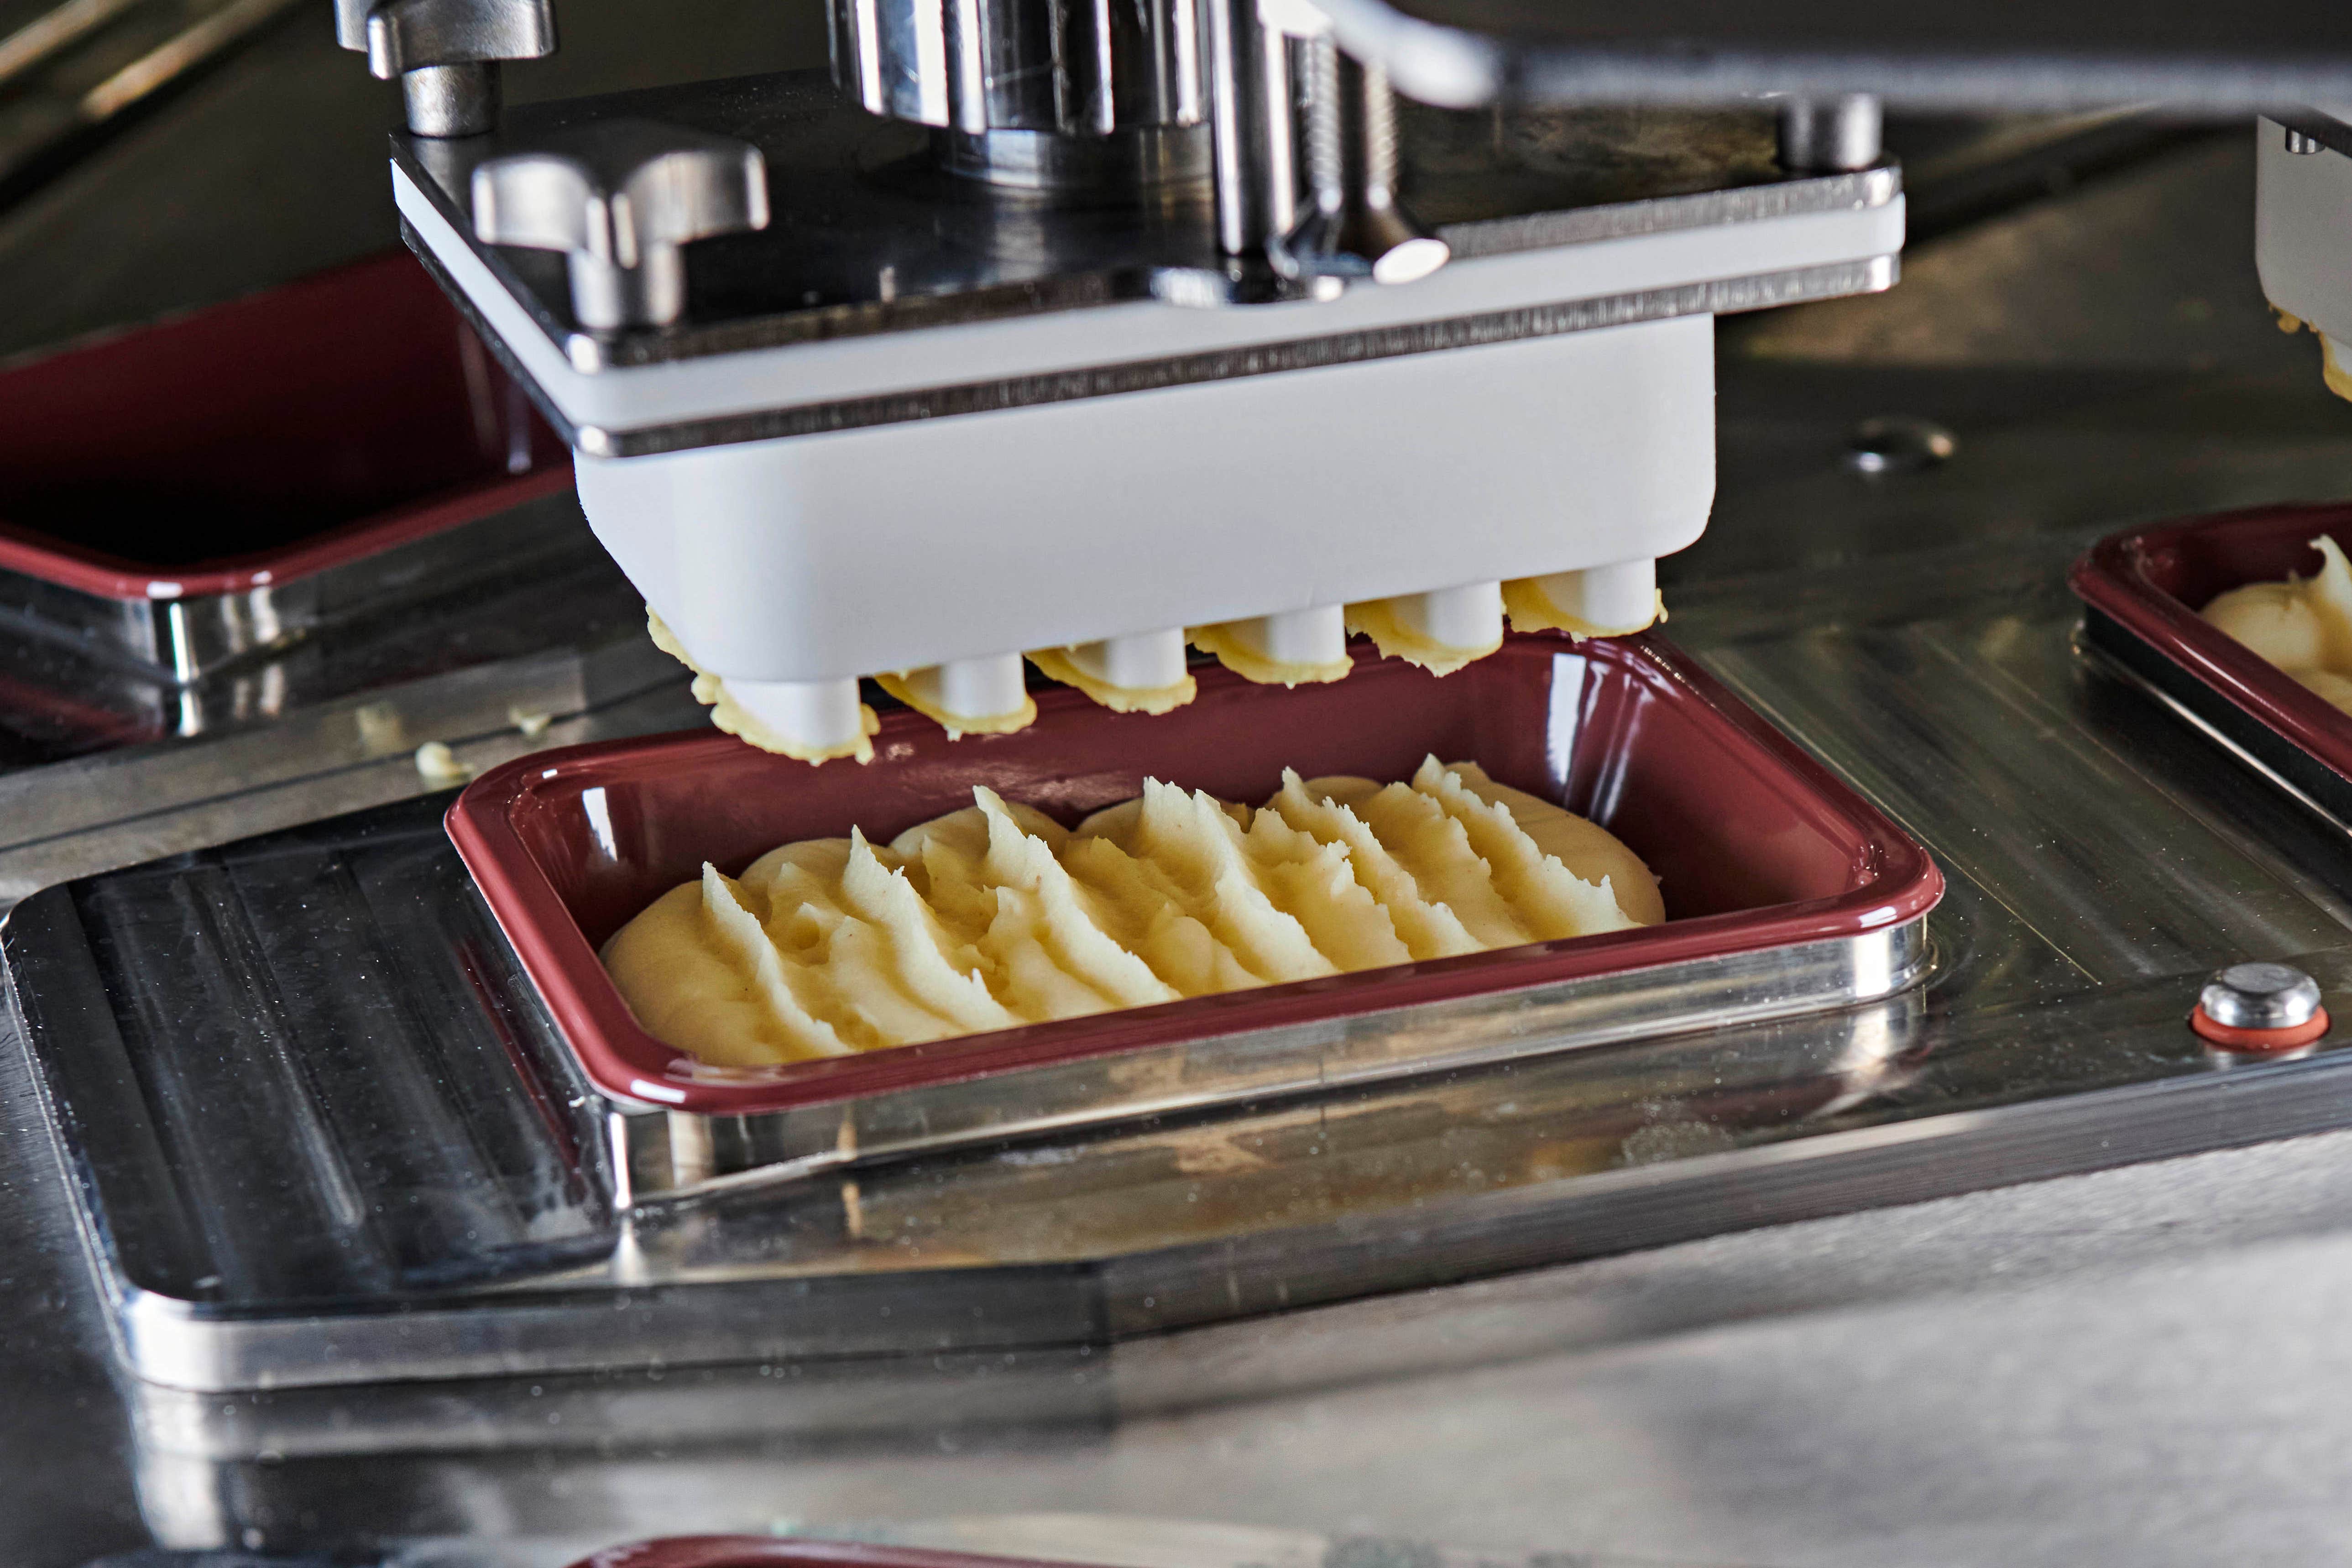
point(996, 915)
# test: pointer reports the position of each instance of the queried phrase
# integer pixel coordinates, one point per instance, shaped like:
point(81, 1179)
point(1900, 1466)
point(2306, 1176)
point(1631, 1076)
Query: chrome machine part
point(1819, 135)
point(1355, 222)
point(1142, 161)
point(445, 53)
point(1250, 118)
point(621, 199)
point(1570, 211)
point(1073, 68)
point(2261, 996)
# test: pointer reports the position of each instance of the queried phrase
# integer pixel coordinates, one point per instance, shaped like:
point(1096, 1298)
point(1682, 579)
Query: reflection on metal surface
point(71, 71)
point(137, 768)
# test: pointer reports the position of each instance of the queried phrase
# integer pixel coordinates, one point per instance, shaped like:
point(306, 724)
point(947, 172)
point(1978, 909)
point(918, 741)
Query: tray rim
point(738, 1550)
point(33, 552)
point(2111, 578)
point(25, 552)
point(620, 1058)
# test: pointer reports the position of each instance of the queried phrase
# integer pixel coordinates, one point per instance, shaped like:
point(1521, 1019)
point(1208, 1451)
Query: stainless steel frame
point(912, 248)
point(2050, 1036)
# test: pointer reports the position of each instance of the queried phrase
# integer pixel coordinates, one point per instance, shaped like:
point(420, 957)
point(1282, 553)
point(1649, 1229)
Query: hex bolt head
point(620, 198)
point(2260, 1008)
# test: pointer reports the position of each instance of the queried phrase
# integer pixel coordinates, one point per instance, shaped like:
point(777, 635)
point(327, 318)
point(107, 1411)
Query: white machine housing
point(2303, 217)
point(788, 567)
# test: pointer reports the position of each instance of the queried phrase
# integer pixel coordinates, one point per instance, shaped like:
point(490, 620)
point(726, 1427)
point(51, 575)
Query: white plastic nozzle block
point(822, 715)
point(1147, 661)
point(986, 687)
point(2302, 210)
point(1319, 636)
point(1614, 599)
point(1468, 616)
point(933, 541)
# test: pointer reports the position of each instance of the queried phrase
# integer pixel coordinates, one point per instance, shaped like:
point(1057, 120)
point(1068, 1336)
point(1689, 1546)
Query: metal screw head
point(1899, 444)
point(2261, 996)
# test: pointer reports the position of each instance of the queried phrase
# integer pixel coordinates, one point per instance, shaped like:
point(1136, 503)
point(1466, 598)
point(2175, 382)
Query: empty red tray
point(251, 448)
point(1784, 890)
point(2143, 589)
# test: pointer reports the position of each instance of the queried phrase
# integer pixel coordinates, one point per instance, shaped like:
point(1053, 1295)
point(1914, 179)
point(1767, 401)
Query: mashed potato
point(2304, 625)
point(996, 915)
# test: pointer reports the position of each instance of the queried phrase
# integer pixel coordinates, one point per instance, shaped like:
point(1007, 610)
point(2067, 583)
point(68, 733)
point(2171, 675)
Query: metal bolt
point(2261, 996)
point(1899, 444)
point(1354, 224)
point(445, 53)
point(1830, 136)
point(2297, 142)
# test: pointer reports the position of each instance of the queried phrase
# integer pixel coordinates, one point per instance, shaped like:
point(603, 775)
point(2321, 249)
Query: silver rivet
point(2299, 143)
point(2261, 996)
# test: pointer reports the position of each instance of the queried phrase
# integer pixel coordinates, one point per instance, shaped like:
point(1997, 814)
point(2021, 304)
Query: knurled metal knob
point(445, 53)
point(620, 198)
point(2260, 1007)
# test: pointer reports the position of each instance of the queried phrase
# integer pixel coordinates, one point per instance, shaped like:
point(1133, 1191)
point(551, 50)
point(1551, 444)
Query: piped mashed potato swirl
point(2304, 625)
point(996, 915)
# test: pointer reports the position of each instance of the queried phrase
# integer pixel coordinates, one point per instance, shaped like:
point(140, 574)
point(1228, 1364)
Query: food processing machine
point(1078, 335)
point(803, 332)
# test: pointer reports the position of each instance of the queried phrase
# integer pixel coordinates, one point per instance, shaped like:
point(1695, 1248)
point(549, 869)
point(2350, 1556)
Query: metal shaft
point(460, 99)
point(1248, 65)
point(1829, 135)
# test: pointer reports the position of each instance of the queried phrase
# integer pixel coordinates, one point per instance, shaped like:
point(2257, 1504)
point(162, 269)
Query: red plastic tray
point(1757, 845)
point(262, 440)
point(773, 1551)
point(2144, 588)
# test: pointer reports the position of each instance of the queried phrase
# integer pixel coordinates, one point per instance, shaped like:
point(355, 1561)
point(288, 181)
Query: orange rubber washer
point(2257, 1042)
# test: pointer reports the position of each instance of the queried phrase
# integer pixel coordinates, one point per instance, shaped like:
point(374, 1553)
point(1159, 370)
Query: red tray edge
point(776, 1552)
point(2109, 578)
point(107, 577)
point(549, 944)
